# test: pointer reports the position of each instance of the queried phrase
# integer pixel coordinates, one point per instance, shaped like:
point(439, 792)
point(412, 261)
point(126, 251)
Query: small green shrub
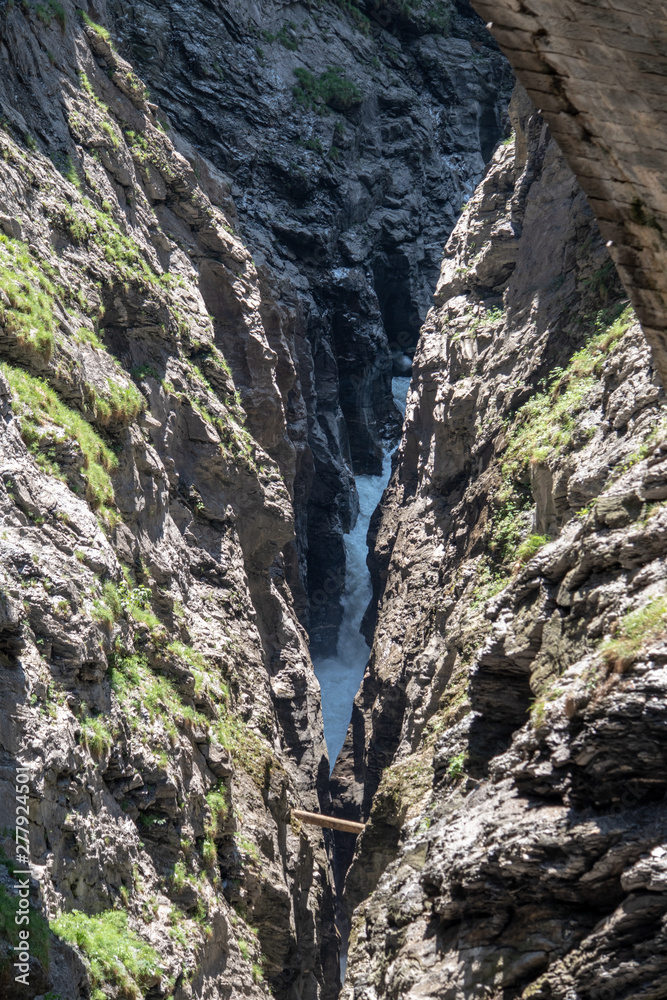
point(150, 820)
point(111, 134)
point(456, 765)
point(601, 281)
point(530, 546)
point(490, 581)
point(313, 144)
point(65, 165)
point(331, 89)
point(288, 37)
point(247, 846)
point(494, 315)
point(209, 851)
point(179, 876)
point(114, 955)
point(538, 706)
point(217, 803)
point(70, 222)
point(96, 736)
point(511, 511)
point(108, 609)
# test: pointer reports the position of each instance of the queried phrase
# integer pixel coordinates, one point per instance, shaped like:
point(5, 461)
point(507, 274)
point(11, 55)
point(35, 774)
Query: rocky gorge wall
point(202, 292)
point(507, 743)
point(156, 682)
point(350, 137)
point(182, 394)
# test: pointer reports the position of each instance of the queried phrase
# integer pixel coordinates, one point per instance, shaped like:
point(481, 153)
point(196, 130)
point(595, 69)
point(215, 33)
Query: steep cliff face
point(179, 424)
point(351, 140)
point(180, 420)
point(508, 739)
point(157, 686)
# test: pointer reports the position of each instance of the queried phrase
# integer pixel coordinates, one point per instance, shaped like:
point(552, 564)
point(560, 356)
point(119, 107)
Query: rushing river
point(341, 675)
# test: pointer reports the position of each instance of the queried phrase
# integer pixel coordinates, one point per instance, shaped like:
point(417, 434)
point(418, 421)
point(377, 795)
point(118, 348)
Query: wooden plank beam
point(328, 822)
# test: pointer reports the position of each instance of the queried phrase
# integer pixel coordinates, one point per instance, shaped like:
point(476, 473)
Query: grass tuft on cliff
point(545, 425)
point(531, 546)
point(125, 599)
point(114, 955)
point(96, 735)
point(219, 806)
point(139, 688)
point(47, 423)
point(46, 12)
point(352, 9)
point(26, 299)
point(98, 29)
point(636, 630)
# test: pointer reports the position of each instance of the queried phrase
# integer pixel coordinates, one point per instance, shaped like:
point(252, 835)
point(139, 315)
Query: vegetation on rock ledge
point(114, 955)
point(48, 426)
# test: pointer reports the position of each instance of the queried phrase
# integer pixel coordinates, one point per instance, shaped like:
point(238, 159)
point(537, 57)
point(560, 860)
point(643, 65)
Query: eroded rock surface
point(156, 682)
point(351, 140)
point(597, 72)
point(508, 741)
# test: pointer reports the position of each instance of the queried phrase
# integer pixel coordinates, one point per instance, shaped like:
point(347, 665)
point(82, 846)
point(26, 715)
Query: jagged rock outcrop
point(508, 741)
point(181, 407)
point(156, 683)
point(597, 72)
point(351, 137)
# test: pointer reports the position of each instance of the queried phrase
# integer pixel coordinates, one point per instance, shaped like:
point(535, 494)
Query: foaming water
point(341, 675)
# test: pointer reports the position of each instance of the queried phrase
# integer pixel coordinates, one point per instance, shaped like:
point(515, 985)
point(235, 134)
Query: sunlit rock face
point(156, 682)
point(210, 269)
point(507, 743)
point(596, 70)
point(221, 226)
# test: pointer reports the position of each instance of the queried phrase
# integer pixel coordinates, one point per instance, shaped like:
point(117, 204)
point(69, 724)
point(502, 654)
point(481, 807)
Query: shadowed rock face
point(346, 200)
point(597, 71)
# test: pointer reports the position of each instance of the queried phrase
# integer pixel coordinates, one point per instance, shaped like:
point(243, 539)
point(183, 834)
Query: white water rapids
point(341, 675)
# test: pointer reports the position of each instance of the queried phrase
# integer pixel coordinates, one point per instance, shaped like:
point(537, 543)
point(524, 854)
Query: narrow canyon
point(333, 480)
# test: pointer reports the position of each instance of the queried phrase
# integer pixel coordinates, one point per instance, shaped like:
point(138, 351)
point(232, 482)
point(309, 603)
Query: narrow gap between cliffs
point(340, 675)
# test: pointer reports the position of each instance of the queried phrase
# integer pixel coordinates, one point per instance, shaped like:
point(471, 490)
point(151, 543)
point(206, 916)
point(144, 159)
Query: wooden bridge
point(328, 822)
